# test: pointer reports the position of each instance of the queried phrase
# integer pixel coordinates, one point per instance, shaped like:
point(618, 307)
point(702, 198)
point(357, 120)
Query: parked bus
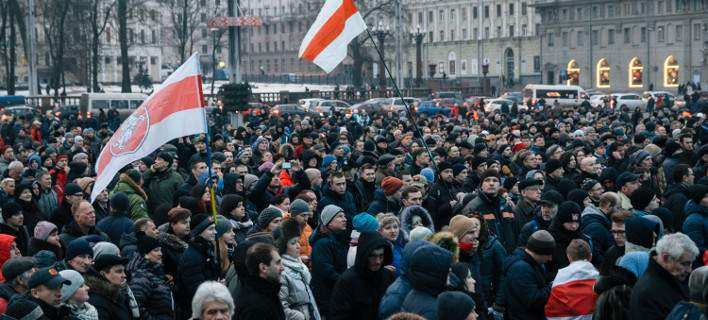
point(567, 96)
point(124, 103)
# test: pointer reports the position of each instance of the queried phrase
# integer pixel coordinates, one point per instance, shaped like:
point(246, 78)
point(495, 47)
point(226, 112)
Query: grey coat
point(295, 293)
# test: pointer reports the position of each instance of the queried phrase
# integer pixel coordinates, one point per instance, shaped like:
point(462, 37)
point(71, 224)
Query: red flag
point(175, 110)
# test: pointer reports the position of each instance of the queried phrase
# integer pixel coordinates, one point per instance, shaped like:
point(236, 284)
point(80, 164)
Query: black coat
point(172, 249)
point(329, 261)
point(115, 225)
point(21, 237)
point(383, 205)
point(197, 264)
point(111, 301)
point(258, 300)
point(655, 293)
point(525, 287)
point(499, 217)
point(62, 215)
point(151, 290)
point(359, 291)
point(37, 245)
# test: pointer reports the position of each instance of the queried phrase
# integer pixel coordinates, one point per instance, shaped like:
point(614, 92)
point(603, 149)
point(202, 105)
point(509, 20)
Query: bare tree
point(11, 20)
point(53, 18)
point(185, 16)
point(122, 17)
point(98, 15)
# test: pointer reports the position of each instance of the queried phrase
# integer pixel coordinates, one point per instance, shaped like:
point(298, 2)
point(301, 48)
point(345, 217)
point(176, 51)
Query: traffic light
point(235, 96)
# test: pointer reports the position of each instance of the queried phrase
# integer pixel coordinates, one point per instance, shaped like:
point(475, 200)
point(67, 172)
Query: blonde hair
point(386, 219)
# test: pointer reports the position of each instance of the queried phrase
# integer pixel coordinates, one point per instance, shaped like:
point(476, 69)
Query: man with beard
point(546, 211)
point(421, 159)
point(161, 182)
point(364, 186)
point(258, 297)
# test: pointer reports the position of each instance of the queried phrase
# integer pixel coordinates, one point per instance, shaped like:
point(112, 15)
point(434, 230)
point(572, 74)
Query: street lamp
point(418, 34)
point(381, 32)
point(213, 58)
point(485, 81)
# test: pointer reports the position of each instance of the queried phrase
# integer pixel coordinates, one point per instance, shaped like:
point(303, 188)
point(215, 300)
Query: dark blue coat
point(429, 267)
point(596, 225)
point(329, 261)
point(525, 287)
point(696, 225)
point(115, 225)
point(196, 265)
point(490, 269)
point(399, 289)
point(383, 205)
point(345, 201)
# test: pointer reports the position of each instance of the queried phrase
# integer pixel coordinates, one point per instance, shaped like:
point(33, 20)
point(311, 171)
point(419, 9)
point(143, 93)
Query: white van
point(124, 103)
point(567, 96)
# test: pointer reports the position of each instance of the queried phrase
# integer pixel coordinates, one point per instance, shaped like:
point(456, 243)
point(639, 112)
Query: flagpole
point(210, 182)
point(398, 92)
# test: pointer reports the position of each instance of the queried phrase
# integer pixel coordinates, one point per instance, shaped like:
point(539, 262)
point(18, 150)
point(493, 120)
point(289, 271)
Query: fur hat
point(147, 244)
point(288, 229)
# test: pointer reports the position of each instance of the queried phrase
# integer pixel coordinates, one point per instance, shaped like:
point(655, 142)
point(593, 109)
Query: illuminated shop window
point(636, 73)
point(573, 73)
point(671, 72)
point(603, 74)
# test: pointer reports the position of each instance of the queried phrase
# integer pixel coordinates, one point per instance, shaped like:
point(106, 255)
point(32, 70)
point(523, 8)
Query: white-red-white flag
point(172, 111)
point(336, 25)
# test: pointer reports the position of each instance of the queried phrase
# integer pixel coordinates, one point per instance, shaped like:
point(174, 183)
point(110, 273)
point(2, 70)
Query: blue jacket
point(596, 225)
point(685, 311)
point(696, 225)
point(395, 294)
point(429, 267)
point(329, 261)
point(116, 225)
point(345, 201)
point(490, 269)
point(525, 287)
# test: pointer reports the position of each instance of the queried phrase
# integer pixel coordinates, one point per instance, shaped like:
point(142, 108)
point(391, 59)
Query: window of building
point(451, 63)
point(565, 14)
point(475, 33)
point(679, 33)
point(550, 39)
point(511, 9)
point(430, 18)
point(668, 6)
point(153, 60)
point(464, 14)
point(267, 46)
point(251, 48)
point(205, 49)
point(537, 64)
point(464, 34)
point(611, 36)
point(499, 9)
point(581, 38)
point(595, 12)
point(660, 36)
point(420, 19)
point(204, 33)
point(463, 66)
point(486, 12)
point(275, 45)
point(579, 13)
point(636, 72)
point(595, 37)
point(573, 73)
point(486, 33)
point(642, 8)
point(260, 48)
point(524, 8)
point(697, 32)
point(442, 35)
point(203, 17)
point(441, 16)
point(282, 45)
point(603, 74)
point(498, 33)
point(671, 72)
point(635, 10)
point(452, 35)
point(564, 39)
point(452, 15)
point(524, 30)
point(643, 34)
point(430, 36)
point(474, 12)
point(627, 35)
point(107, 60)
point(511, 31)
point(153, 36)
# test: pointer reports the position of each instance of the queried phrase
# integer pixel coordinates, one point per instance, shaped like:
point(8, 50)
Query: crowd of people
point(525, 213)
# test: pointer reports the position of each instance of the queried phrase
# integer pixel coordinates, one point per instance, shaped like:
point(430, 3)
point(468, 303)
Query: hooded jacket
point(359, 290)
point(136, 196)
point(396, 293)
point(429, 267)
point(675, 199)
point(595, 224)
point(525, 287)
point(696, 225)
point(21, 236)
point(407, 215)
point(5, 245)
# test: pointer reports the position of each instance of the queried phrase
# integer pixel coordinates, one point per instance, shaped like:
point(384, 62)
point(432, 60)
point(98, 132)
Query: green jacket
point(136, 195)
point(161, 187)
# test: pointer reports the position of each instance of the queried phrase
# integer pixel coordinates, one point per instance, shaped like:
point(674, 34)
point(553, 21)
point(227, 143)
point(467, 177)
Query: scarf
point(296, 265)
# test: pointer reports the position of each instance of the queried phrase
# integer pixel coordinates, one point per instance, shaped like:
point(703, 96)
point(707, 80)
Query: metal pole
point(32, 63)
point(234, 35)
point(399, 34)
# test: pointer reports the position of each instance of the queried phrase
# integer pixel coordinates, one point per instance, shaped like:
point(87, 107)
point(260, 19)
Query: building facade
point(461, 36)
point(628, 45)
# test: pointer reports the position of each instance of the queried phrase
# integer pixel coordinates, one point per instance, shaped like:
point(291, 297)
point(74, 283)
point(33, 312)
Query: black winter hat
point(454, 305)
point(697, 192)
point(552, 165)
point(641, 197)
point(165, 156)
point(288, 229)
point(569, 211)
point(489, 173)
point(199, 223)
point(578, 196)
point(10, 209)
point(120, 202)
point(72, 189)
point(442, 166)
point(229, 202)
point(147, 244)
point(551, 197)
point(147, 161)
